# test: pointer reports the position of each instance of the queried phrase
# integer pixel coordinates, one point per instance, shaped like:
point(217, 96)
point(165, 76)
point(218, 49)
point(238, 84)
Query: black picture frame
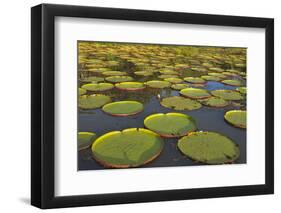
point(43, 102)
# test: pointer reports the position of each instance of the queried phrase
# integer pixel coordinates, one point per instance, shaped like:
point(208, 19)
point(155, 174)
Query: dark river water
point(208, 119)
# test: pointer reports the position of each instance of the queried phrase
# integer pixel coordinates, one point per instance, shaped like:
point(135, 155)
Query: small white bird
point(158, 96)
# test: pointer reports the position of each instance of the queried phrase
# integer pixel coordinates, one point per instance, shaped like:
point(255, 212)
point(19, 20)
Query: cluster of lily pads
point(130, 68)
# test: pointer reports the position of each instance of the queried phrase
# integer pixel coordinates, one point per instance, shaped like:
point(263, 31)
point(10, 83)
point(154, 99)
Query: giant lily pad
point(98, 87)
point(220, 75)
point(128, 148)
point(114, 73)
point(93, 101)
point(82, 91)
point(242, 90)
point(168, 72)
point(171, 124)
point(210, 78)
point(215, 102)
point(117, 79)
point(230, 95)
point(85, 139)
point(195, 93)
point(195, 80)
point(216, 69)
point(92, 79)
point(180, 103)
point(237, 118)
point(174, 80)
point(179, 86)
point(143, 73)
point(123, 108)
point(164, 76)
point(158, 84)
point(232, 82)
point(209, 147)
point(130, 86)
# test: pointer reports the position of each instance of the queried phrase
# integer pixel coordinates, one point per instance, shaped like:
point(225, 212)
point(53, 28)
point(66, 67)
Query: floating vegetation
point(174, 80)
point(82, 91)
point(232, 82)
point(180, 103)
point(164, 76)
point(130, 86)
point(170, 125)
point(216, 69)
point(143, 73)
point(98, 87)
point(93, 101)
point(114, 73)
point(230, 95)
point(195, 80)
point(195, 93)
point(242, 90)
point(168, 72)
point(236, 118)
point(123, 108)
point(214, 102)
point(128, 148)
point(85, 139)
point(93, 79)
point(219, 75)
point(118, 79)
point(158, 84)
point(210, 78)
point(209, 147)
point(179, 86)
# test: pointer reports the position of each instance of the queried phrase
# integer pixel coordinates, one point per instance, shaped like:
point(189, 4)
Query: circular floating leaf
point(230, 95)
point(117, 73)
point(215, 102)
point(171, 124)
point(143, 73)
point(242, 90)
point(82, 91)
point(158, 84)
point(98, 87)
point(195, 93)
point(130, 86)
point(129, 148)
point(209, 147)
point(216, 69)
point(168, 72)
point(196, 80)
point(93, 101)
point(85, 139)
point(210, 78)
point(117, 79)
point(174, 80)
point(123, 108)
point(237, 118)
point(93, 79)
point(179, 86)
point(167, 76)
point(180, 103)
point(232, 82)
point(219, 75)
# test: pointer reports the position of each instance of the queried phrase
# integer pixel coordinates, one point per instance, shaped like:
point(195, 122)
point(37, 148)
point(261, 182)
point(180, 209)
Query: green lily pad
point(237, 118)
point(220, 75)
point(118, 79)
point(179, 86)
point(123, 108)
point(180, 103)
point(210, 78)
point(195, 93)
point(170, 125)
point(168, 72)
point(215, 102)
point(128, 148)
point(158, 84)
point(98, 87)
point(82, 91)
point(229, 95)
point(85, 139)
point(174, 80)
point(216, 69)
point(114, 73)
point(195, 80)
point(93, 101)
point(143, 73)
point(93, 79)
point(130, 86)
point(209, 148)
point(232, 82)
point(242, 90)
point(164, 76)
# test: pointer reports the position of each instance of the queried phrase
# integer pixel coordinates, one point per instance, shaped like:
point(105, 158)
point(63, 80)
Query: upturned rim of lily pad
point(206, 94)
point(107, 108)
point(125, 86)
point(191, 122)
point(233, 123)
point(108, 162)
point(188, 145)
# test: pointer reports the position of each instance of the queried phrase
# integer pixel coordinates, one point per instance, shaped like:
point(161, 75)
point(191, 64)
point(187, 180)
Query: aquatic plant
point(196, 80)
point(82, 91)
point(195, 93)
point(214, 102)
point(130, 86)
point(216, 69)
point(128, 148)
point(174, 80)
point(220, 75)
point(158, 84)
point(114, 73)
point(118, 79)
point(85, 139)
point(210, 78)
point(93, 79)
point(179, 86)
point(242, 90)
point(93, 101)
point(98, 87)
point(237, 118)
point(143, 73)
point(180, 103)
point(232, 82)
point(209, 148)
point(230, 95)
point(170, 125)
point(167, 76)
point(123, 108)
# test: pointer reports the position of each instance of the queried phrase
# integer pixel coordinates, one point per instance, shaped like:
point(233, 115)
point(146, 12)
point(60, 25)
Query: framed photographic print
point(140, 106)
